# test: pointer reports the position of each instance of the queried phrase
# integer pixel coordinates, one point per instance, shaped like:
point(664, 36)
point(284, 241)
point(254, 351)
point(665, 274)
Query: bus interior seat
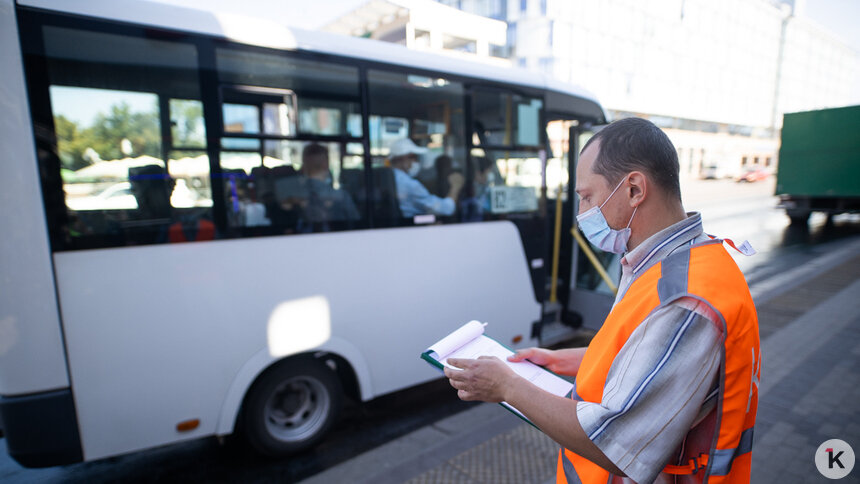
point(283, 171)
point(352, 180)
point(386, 208)
point(262, 177)
point(284, 182)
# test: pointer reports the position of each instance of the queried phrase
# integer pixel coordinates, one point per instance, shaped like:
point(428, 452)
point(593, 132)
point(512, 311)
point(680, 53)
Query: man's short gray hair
point(636, 144)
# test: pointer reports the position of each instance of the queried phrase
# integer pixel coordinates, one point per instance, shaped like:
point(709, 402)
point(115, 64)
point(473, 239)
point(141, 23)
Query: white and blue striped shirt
point(661, 381)
point(415, 199)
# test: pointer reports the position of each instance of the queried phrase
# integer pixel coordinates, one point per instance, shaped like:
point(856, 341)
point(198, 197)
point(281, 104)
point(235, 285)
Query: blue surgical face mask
point(593, 224)
point(414, 169)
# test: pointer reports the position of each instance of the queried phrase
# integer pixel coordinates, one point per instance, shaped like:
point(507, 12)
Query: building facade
point(717, 76)
point(429, 26)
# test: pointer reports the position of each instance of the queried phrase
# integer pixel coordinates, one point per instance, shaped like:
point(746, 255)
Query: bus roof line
point(267, 33)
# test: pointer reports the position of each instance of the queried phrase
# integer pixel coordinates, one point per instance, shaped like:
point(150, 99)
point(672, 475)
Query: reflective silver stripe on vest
point(674, 275)
point(674, 270)
point(721, 463)
point(570, 474)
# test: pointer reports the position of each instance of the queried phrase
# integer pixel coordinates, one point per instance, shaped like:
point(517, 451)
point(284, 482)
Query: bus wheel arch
point(294, 402)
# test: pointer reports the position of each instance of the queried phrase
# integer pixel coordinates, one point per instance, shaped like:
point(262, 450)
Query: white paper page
point(484, 346)
point(447, 345)
point(469, 342)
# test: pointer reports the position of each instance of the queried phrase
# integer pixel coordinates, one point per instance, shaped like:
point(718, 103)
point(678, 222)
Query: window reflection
point(305, 188)
point(241, 118)
point(186, 123)
point(506, 119)
point(557, 174)
point(130, 138)
point(506, 181)
point(417, 142)
point(301, 96)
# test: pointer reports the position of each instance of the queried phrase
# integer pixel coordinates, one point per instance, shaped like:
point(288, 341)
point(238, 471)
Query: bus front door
point(579, 293)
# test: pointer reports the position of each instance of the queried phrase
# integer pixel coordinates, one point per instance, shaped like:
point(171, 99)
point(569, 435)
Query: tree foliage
point(105, 136)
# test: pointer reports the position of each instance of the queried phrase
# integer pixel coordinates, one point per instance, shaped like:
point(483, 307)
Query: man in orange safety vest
point(667, 390)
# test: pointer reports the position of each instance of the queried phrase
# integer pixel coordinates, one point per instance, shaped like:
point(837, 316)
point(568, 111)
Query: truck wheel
point(291, 407)
point(798, 217)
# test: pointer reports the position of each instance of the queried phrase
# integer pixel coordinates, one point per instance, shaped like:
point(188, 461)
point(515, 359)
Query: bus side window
point(275, 110)
point(506, 134)
point(129, 124)
point(428, 112)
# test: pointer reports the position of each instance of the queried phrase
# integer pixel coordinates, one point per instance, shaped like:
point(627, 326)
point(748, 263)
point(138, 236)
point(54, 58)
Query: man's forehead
point(587, 157)
point(591, 149)
point(586, 178)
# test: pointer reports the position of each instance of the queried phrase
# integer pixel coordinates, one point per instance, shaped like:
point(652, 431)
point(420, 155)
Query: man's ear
point(637, 189)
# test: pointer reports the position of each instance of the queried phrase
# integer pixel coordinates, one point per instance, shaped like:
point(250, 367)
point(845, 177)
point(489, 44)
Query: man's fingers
point(452, 374)
point(459, 362)
point(454, 383)
point(521, 355)
point(464, 395)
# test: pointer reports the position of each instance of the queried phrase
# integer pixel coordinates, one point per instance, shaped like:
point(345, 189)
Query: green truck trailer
point(819, 163)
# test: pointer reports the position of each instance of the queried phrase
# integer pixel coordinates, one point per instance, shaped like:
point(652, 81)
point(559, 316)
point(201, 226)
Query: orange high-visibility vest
point(717, 449)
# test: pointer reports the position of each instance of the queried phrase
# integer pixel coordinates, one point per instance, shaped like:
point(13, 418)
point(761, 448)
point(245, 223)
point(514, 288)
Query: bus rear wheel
point(291, 407)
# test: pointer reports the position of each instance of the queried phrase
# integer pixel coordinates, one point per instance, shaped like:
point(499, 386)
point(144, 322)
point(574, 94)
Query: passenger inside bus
point(151, 187)
point(156, 220)
point(438, 184)
point(413, 197)
point(323, 204)
point(475, 201)
point(318, 206)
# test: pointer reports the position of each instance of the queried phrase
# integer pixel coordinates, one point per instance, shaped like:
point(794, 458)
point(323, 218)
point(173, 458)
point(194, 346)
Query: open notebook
point(469, 341)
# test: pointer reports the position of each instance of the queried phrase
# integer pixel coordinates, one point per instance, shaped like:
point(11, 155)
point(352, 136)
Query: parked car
point(709, 172)
point(753, 174)
point(115, 197)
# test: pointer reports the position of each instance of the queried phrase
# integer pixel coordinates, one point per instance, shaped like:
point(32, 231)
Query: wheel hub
point(296, 409)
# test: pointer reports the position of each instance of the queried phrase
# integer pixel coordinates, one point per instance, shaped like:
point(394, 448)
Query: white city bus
point(167, 274)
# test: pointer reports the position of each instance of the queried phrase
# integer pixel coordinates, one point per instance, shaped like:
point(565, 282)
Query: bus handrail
point(556, 242)
point(593, 258)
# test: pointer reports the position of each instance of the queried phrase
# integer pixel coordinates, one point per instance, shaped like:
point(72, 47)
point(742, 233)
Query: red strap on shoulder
point(693, 467)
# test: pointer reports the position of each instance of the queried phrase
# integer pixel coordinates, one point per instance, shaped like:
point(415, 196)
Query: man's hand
point(485, 379)
point(563, 362)
point(538, 356)
point(455, 183)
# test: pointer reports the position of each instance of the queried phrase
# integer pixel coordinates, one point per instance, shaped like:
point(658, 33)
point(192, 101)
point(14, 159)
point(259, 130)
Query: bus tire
point(291, 407)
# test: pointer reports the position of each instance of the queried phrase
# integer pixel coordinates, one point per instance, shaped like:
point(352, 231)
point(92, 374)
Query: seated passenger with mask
point(413, 197)
point(321, 203)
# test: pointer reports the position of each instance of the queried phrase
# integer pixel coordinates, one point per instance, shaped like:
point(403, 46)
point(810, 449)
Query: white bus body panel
point(31, 343)
point(161, 334)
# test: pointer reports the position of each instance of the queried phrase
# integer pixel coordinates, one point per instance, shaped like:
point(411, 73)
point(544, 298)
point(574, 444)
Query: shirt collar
point(659, 245)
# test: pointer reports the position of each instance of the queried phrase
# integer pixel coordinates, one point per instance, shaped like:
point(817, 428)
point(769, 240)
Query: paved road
point(748, 211)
